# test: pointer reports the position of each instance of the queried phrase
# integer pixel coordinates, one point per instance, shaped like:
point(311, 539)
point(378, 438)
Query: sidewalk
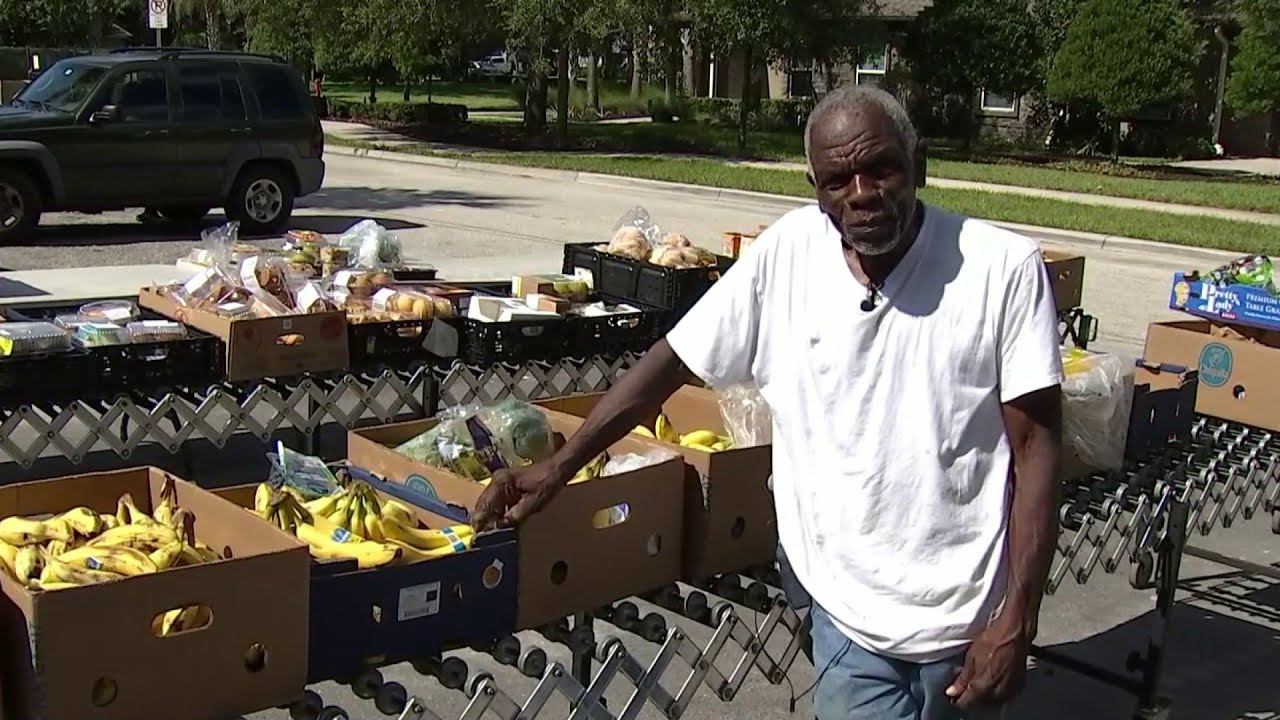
point(392, 141)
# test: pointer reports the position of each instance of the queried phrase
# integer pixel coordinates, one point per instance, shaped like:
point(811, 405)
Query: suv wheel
point(261, 200)
point(20, 206)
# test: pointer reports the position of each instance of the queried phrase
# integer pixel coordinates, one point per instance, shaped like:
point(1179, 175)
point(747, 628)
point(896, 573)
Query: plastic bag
point(619, 464)
point(371, 246)
point(638, 217)
point(1097, 397)
point(217, 244)
point(475, 441)
point(746, 415)
point(304, 473)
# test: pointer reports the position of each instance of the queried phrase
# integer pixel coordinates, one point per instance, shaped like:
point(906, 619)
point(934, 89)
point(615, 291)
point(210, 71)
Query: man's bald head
point(848, 100)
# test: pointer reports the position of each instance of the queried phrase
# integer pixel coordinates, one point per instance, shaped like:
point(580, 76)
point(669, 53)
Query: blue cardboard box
point(1233, 304)
point(397, 613)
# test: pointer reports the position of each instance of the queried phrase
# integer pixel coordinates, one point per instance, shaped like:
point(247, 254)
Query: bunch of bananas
point(83, 547)
point(355, 523)
point(704, 440)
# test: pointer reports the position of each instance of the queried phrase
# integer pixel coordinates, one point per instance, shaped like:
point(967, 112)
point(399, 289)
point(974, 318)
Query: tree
point(208, 12)
point(1254, 85)
point(959, 47)
point(1126, 56)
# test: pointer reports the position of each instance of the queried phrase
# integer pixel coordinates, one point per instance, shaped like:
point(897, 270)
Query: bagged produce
point(746, 415)
point(1097, 397)
point(474, 441)
point(371, 246)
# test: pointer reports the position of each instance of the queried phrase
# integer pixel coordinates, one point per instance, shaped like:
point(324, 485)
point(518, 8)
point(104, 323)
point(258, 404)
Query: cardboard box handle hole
point(255, 658)
point(181, 620)
point(653, 545)
point(104, 692)
point(611, 516)
point(290, 339)
point(739, 527)
point(1237, 392)
point(559, 572)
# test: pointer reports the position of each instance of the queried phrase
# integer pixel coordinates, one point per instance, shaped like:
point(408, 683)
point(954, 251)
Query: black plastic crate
point(674, 289)
point(407, 275)
point(47, 377)
point(394, 344)
point(484, 344)
point(195, 361)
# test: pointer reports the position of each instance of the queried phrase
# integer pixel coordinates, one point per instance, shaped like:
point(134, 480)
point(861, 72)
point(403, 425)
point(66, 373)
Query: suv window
point(140, 96)
point(210, 93)
point(62, 87)
point(278, 97)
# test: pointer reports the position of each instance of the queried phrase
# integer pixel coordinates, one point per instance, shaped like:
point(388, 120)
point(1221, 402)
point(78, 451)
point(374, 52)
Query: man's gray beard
point(880, 249)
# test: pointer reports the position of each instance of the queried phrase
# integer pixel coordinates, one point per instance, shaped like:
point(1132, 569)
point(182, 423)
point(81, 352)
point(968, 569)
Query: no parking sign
point(159, 14)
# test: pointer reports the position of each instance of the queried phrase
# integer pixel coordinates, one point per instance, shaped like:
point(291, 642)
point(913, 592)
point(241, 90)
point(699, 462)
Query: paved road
point(473, 224)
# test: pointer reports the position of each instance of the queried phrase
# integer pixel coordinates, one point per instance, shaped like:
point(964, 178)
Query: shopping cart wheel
point(653, 628)
point(533, 662)
point(391, 698)
point(307, 707)
point(366, 684)
point(333, 712)
point(506, 650)
point(453, 673)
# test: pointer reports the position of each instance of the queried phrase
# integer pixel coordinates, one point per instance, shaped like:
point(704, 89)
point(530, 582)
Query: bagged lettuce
point(475, 441)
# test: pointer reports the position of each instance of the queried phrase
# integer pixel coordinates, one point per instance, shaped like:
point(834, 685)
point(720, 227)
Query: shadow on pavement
point(1220, 666)
point(371, 199)
point(118, 233)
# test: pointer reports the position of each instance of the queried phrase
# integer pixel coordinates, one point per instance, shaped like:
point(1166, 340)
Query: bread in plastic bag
point(746, 415)
point(1097, 397)
point(371, 246)
point(474, 441)
point(217, 242)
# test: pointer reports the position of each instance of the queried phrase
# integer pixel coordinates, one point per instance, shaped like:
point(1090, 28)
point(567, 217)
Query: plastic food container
point(157, 331)
point(110, 311)
point(98, 334)
point(32, 338)
point(71, 321)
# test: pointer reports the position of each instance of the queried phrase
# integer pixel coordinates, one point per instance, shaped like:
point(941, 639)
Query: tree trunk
point(635, 68)
point(689, 59)
point(429, 88)
point(1115, 141)
point(535, 104)
point(744, 98)
point(212, 25)
point(562, 94)
point(672, 58)
point(373, 89)
point(405, 95)
point(593, 82)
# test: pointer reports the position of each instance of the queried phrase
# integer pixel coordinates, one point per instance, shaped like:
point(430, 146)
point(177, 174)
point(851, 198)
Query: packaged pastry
point(31, 338)
point(110, 311)
point(408, 302)
point(156, 331)
point(362, 283)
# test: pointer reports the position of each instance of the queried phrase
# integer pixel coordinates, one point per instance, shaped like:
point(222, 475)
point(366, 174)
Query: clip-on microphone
point(873, 294)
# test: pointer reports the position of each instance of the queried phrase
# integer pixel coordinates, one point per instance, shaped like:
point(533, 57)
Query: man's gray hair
point(856, 97)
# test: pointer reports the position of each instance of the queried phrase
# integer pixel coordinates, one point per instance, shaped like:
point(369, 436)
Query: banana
point(57, 571)
point(262, 499)
point(170, 620)
point(139, 537)
point(699, 437)
point(56, 547)
point(411, 554)
point(21, 531)
point(398, 510)
point(591, 470)
point(208, 553)
point(108, 521)
point(373, 525)
point(113, 559)
point(129, 513)
point(165, 557)
point(168, 502)
point(343, 545)
point(27, 563)
point(8, 554)
point(55, 585)
point(425, 539)
point(699, 446)
point(356, 523)
point(663, 431)
point(83, 521)
point(341, 515)
point(642, 430)
point(324, 505)
point(183, 523)
point(190, 556)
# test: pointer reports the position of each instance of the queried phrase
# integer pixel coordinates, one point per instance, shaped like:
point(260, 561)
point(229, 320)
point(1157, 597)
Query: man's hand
point(515, 494)
point(995, 667)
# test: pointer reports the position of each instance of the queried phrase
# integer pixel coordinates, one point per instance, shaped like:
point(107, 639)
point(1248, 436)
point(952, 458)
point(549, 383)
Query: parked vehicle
point(181, 131)
point(500, 64)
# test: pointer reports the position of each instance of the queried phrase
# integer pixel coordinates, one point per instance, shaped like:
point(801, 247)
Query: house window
point(996, 102)
point(872, 68)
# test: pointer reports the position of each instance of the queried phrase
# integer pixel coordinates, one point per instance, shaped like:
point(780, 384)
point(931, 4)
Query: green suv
point(178, 131)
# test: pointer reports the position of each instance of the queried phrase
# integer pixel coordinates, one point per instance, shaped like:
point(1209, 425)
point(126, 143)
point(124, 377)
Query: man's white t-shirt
point(891, 467)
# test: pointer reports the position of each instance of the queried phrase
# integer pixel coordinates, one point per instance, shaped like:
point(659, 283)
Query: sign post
point(158, 17)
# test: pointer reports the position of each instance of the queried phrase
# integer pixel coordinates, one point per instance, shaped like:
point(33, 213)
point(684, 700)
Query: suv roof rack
point(167, 53)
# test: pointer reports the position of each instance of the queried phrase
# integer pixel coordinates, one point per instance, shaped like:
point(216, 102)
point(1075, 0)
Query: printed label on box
point(417, 601)
point(1215, 364)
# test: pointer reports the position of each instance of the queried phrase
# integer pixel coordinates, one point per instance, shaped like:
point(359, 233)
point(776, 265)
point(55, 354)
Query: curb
point(1052, 235)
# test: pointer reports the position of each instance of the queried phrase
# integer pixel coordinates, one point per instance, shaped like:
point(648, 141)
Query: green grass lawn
point(1189, 230)
point(497, 95)
point(1097, 178)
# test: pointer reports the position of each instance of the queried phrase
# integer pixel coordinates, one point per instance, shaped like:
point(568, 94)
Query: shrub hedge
point(394, 113)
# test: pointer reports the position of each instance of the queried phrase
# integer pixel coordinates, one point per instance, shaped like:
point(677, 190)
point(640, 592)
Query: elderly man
point(910, 358)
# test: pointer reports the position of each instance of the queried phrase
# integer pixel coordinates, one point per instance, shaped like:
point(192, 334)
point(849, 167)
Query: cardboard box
point(265, 347)
point(399, 613)
point(92, 653)
point(566, 562)
point(1235, 304)
point(730, 521)
point(1066, 274)
point(1235, 370)
point(1164, 407)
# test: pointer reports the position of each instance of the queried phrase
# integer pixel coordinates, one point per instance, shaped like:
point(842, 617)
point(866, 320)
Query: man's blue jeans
point(856, 684)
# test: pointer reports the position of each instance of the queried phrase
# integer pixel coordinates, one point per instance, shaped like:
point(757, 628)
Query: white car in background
point(500, 64)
